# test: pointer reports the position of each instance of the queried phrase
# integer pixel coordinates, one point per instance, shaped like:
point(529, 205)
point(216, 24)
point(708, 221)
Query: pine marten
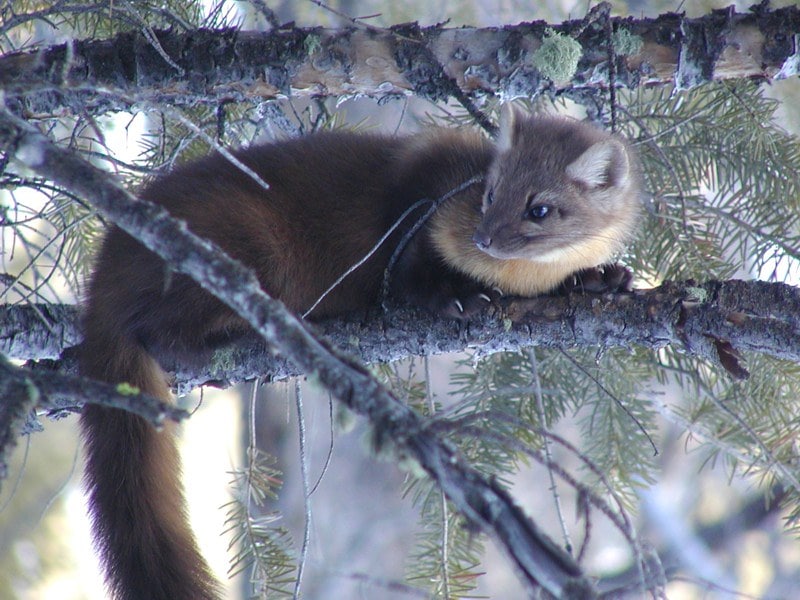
point(554, 196)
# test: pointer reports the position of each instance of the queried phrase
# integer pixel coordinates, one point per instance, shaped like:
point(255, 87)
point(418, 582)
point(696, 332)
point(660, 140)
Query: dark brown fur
point(331, 197)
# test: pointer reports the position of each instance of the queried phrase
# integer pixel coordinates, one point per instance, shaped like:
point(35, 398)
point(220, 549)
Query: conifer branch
point(184, 67)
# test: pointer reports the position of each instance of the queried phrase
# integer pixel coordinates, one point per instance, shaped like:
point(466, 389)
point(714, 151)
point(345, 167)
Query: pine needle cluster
point(258, 545)
point(724, 183)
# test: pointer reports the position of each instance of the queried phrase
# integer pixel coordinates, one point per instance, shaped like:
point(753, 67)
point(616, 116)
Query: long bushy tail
point(133, 480)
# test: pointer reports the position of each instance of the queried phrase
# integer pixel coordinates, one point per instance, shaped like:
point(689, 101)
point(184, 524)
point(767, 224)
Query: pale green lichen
point(696, 294)
point(626, 43)
point(385, 449)
point(312, 44)
point(314, 382)
point(345, 419)
point(413, 467)
point(126, 389)
point(223, 359)
point(380, 446)
point(33, 391)
point(557, 58)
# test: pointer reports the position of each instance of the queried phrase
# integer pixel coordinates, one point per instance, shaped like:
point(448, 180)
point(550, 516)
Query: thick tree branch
point(37, 331)
point(215, 66)
point(752, 316)
point(539, 562)
point(56, 392)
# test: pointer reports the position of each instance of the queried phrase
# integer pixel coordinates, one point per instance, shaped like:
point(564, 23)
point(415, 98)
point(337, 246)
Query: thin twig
point(401, 245)
point(221, 149)
point(537, 394)
point(354, 20)
point(611, 395)
point(301, 426)
point(445, 513)
point(329, 455)
point(367, 256)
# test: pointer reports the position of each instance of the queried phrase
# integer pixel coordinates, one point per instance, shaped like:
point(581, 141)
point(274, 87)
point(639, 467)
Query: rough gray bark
point(708, 320)
point(34, 332)
point(58, 393)
point(19, 397)
point(187, 67)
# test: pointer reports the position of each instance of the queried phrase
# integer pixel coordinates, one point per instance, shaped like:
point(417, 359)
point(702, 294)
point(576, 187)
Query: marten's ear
point(604, 164)
point(511, 119)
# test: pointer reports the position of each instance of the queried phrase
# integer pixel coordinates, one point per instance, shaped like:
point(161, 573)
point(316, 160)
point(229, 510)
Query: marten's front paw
point(605, 278)
point(465, 306)
point(452, 296)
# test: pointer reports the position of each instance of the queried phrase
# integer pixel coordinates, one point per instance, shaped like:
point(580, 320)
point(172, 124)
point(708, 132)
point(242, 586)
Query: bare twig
point(301, 428)
point(537, 393)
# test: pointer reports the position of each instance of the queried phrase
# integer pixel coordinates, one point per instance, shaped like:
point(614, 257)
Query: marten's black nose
point(483, 240)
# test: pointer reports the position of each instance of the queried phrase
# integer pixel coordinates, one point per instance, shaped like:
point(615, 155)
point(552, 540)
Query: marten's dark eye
point(489, 197)
point(537, 212)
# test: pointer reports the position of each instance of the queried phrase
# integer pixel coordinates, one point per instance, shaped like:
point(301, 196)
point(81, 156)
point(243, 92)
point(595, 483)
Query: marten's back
point(327, 205)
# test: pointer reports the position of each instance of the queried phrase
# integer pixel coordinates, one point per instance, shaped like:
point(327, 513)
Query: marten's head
point(556, 188)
